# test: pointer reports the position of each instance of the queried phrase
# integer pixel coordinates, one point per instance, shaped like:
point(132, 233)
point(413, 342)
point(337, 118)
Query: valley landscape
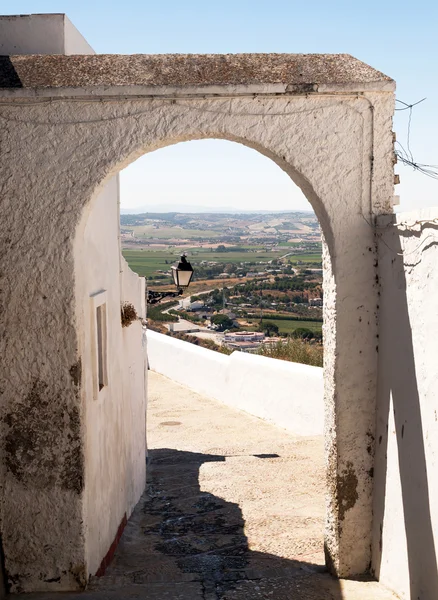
point(253, 272)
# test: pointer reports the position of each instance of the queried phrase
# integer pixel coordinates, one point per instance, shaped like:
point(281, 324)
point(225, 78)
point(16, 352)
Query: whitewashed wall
point(289, 395)
point(114, 416)
point(133, 351)
point(405, 537)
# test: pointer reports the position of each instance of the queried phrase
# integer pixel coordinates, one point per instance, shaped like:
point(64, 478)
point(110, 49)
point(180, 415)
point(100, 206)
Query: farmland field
point(165, 233)
point(147, 262)
point(285, 326)
point(305, 258)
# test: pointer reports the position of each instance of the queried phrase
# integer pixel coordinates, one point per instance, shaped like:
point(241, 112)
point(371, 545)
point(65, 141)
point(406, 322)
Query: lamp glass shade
point(182, 273)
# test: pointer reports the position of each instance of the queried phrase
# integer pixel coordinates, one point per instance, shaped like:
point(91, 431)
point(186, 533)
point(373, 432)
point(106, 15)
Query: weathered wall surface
point(286, 394)
point(405, 534)
point(115, 415)
point(75, 463)
point(43, 446)
point(69, 148)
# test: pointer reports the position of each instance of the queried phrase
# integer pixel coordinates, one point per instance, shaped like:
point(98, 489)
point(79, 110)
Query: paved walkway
point(234, 510)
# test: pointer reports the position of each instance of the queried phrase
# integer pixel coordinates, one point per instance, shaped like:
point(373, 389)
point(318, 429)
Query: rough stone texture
point(57, 157)
point(405, 535)
point(75, 458)
point(185, 70)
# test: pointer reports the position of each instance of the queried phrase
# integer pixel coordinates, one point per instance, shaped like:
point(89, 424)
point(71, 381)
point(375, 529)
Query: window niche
point(99, 324)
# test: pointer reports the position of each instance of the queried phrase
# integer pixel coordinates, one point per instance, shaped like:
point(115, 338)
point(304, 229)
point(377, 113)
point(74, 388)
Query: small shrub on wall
point(128, 314)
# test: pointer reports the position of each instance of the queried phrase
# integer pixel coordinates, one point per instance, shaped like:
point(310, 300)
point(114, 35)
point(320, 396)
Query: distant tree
point(269, 328)
point(303, 333)
point(222, 321)
point(221, 248)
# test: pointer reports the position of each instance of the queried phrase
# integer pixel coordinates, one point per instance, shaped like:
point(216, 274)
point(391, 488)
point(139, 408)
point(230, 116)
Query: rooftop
point(295, 72)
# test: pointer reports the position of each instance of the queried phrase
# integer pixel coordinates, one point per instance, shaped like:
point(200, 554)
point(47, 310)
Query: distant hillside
point(180, 217)
point(187, 208)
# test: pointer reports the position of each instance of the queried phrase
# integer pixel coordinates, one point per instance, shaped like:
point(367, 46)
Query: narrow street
point(233, 510)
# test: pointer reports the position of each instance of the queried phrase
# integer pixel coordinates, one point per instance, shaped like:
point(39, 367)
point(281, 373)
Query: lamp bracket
point(154, 297)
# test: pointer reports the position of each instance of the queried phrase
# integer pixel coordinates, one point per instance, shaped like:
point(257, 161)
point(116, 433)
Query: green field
point(165, 233)
point(147, 262)
point(305, 258)
point(289, 326)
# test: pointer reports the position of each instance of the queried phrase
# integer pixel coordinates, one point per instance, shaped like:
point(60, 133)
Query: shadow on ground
point(185, 543)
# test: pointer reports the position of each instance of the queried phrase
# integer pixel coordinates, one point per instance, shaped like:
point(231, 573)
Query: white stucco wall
point(114, 428)
point(405, 536)
point(289, 395)
point(335, 143)
point(41, 34)
point(115, 415)
point(135, 373)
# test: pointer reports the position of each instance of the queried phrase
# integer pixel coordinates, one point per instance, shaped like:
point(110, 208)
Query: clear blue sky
point(398, 38)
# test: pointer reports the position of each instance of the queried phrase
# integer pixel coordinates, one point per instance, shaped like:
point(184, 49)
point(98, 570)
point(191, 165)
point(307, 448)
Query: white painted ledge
point(289, 395)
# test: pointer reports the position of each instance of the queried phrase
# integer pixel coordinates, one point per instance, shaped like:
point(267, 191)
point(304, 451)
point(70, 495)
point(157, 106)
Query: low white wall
point(289, 395)
point(405, 536)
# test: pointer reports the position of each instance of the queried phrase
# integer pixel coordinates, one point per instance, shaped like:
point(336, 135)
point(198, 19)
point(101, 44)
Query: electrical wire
point(405, 154)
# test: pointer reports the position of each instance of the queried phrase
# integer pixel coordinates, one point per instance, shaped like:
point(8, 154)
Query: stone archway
point(325, 120)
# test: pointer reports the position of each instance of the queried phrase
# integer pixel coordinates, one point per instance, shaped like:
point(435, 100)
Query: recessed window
point(99, 341)
point(101, 345)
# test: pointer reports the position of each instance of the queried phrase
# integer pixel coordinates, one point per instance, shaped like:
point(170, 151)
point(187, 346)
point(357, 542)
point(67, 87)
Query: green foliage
point(303, 333)
point(287, 326)
point(204, 343)
point(269, 328)
point(155, 312)
point(188, 316)
point(222, 321)
point(295, 350)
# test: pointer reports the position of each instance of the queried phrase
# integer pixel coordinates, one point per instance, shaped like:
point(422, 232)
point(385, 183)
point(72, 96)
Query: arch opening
point(291, 245)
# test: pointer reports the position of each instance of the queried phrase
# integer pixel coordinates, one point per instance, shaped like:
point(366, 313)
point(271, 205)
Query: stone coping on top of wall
point(286, 394)
point(60, 71)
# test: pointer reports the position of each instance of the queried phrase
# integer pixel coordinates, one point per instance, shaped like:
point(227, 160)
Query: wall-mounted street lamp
point(182, 274)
